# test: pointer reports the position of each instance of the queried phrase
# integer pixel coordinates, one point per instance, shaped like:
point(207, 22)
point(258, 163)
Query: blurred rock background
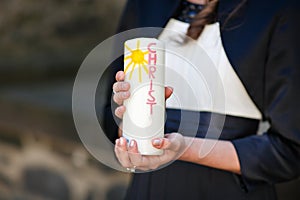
point(46, 39)
point(42, 45)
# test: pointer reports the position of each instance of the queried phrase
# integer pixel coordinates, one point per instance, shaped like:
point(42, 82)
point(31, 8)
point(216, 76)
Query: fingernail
point(119, 109)
point(117, 141)
point(131, 143)
point(157, 142)
point(122, 141)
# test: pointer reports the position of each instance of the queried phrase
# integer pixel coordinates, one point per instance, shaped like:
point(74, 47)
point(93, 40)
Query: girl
point(253, 44)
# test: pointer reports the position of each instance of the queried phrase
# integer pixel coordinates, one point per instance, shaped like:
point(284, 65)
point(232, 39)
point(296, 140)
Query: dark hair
point(209, 16)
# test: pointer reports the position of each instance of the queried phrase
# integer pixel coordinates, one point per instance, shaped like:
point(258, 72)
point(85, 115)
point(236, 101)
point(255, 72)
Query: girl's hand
point(129, 156)
point(121, 93)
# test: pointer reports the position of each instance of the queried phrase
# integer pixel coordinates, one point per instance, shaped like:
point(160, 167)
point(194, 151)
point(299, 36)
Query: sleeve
point(275, 156)
point(107, 119)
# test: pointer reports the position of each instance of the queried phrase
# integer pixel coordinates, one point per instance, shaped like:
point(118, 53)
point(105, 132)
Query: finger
point(119, 97)
point(168, 92)
point(120, 76)
point(175, 141)
point(119, 111)
point(134, 156)
point(143, 163)
point(121, 152)
point(161, 143)
point(121, 86)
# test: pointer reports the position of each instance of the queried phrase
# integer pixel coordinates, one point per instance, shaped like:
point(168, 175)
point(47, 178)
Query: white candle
point(144, 66)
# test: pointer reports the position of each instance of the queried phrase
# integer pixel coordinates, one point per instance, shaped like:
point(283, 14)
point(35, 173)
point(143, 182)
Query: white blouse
point(201, 74)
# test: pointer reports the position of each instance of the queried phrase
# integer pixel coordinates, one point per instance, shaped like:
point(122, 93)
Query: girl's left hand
point(129, 157)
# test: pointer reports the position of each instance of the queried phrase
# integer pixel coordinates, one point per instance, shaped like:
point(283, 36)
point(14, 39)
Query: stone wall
point(42, 38)
point(42, 44)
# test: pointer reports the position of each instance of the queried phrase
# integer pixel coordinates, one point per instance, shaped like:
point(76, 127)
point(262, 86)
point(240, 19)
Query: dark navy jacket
point(260, 44)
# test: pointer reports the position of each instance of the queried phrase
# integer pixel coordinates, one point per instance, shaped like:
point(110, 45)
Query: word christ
point(152, 58)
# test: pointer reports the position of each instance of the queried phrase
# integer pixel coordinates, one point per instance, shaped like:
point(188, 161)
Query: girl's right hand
point(121, 93)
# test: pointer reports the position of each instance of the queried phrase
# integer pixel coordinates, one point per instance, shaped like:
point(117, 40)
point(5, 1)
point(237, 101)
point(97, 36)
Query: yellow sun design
point(137, 58)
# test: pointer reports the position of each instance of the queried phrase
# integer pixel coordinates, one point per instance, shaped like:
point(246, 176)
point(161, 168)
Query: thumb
point(161, 143)
point(168, 92)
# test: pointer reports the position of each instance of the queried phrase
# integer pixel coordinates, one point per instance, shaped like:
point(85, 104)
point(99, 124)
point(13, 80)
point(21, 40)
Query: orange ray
point(128, 48)
point(146, 69)
point(127, 66)
point(140, 73)
point(127, 57)
point(133, 66)
point(145, 61)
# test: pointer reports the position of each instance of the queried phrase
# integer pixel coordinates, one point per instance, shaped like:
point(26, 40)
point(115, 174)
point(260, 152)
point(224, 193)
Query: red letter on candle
point(151, 100)
point(152, 57)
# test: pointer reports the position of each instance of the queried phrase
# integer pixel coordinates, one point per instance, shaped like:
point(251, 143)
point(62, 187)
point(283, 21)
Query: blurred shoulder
point(273, 7)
